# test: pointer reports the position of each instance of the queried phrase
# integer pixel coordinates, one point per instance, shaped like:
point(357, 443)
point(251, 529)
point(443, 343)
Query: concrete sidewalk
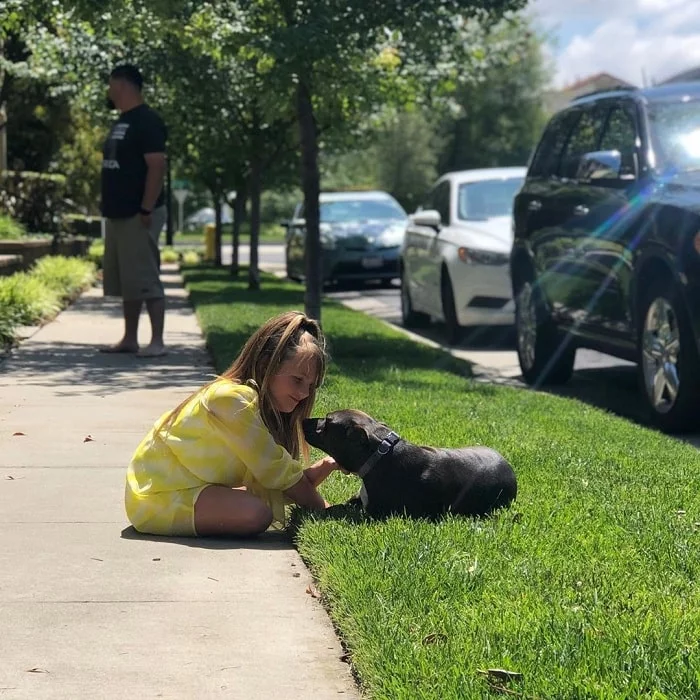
point(90, 609)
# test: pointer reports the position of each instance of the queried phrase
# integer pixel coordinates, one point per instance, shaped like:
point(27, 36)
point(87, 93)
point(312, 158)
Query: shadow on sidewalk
point(272, 540)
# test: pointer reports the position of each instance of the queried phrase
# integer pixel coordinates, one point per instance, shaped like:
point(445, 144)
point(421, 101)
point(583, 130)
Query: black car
point(606, 251)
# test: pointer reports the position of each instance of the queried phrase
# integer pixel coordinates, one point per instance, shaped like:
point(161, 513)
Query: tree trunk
point(238, 217)
point(218, 206)
point(311, 184)
point(255, 189)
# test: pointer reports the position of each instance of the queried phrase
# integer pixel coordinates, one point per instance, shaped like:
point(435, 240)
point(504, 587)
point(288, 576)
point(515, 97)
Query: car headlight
point(482, 257)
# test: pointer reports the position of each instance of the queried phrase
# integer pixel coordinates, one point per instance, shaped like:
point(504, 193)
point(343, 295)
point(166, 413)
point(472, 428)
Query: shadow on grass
point(362, 351)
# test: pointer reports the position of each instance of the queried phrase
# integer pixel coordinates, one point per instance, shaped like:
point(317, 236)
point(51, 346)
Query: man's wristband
point(145, 212)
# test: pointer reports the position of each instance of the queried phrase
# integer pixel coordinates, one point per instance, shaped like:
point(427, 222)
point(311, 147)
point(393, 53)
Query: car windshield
point(486, 199)
point(676, 130)
point(360, 210)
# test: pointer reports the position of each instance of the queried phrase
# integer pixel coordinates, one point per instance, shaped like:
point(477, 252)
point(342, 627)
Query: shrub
point(29, 298)
point(96, 253)
point(191, 257)
point(168, 255)
point(11, 230)
point(65, 276)
point(37, 200)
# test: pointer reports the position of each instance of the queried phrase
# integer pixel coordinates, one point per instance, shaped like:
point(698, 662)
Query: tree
point(497, 120)
point(343, 61)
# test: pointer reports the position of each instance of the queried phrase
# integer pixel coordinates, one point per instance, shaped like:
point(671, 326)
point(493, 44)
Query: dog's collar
point(386, 445)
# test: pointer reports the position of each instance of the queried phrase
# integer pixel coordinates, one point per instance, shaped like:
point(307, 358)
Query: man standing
point(133, 166)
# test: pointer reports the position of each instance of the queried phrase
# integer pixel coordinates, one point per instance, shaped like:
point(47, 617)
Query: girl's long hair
point(281, 338)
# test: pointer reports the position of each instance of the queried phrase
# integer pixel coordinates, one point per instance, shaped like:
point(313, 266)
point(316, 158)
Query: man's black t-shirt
point(136, 132)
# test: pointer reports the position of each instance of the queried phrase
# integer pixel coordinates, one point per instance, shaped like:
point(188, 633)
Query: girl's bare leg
point(221, 510)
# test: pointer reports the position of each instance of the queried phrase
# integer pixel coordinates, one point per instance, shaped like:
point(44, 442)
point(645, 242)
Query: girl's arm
point(319, 472)
point(304, 493)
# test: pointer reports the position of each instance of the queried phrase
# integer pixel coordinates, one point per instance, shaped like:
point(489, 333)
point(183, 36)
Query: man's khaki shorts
point(131, 267)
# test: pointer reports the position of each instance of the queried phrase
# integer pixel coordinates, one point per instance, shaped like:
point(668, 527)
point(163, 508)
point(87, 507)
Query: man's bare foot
point(153, 350)
point(121, 347)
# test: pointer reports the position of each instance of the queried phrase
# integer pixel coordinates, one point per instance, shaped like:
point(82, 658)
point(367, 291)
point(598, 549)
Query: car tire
point(453, 331)
point(545, 356)
point(669, 363)
point(410, 317)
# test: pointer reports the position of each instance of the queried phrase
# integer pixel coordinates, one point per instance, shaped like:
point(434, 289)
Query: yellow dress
point(218, 438)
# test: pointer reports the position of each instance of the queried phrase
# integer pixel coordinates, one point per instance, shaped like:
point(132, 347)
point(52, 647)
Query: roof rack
point(613, 88)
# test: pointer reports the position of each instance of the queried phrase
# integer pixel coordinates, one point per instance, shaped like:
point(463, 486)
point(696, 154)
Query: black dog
point(402, 478)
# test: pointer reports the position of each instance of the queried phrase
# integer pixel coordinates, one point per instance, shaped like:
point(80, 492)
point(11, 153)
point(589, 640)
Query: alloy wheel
point(527, 325)
point(660, 351)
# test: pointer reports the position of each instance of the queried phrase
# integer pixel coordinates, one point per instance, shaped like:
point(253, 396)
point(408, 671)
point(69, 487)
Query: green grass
point(270, 232)
point(587, 586)
point(11, 230)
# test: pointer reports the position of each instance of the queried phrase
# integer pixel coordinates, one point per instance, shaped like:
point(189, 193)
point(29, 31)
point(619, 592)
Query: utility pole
point(169, 206)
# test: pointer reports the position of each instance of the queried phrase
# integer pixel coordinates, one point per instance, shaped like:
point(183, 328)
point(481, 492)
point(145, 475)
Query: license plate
point(372, 263)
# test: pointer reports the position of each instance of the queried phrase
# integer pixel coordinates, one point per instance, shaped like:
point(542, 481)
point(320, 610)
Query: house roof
point(591, 79)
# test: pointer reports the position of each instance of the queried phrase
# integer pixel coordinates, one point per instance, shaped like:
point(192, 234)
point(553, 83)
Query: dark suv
point(606, 251)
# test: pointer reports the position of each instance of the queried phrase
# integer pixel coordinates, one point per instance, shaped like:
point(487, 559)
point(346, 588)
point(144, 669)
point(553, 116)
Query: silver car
point(361, 234)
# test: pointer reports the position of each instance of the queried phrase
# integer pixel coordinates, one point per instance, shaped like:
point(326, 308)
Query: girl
point(241, 430)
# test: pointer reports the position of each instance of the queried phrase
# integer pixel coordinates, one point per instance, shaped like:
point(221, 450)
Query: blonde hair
point(280, 339)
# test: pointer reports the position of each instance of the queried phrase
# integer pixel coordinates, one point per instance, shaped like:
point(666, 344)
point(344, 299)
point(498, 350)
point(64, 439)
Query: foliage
point(66, 276)
point(563, 588)
point(34, 297)
point(37, 200)
point(11, 230)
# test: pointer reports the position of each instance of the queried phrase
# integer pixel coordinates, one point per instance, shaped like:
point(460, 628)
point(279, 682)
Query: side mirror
point(427, 217)
point(600, 165)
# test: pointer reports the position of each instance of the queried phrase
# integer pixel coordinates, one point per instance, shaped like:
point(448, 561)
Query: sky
point(635, 40)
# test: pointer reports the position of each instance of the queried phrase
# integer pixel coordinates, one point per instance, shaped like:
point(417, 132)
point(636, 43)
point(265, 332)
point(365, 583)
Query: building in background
point(554, 100)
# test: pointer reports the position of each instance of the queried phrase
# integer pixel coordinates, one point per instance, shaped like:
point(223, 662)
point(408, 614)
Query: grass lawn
point(587, 586)
point(269, 233)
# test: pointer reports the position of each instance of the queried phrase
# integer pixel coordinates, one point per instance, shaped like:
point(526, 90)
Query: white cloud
point(627, 38)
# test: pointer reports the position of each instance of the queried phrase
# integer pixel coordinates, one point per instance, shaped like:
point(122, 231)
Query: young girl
point(241, 430)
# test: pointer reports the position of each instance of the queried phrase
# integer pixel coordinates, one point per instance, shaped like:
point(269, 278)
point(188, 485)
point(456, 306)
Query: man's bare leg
point(156, 312)
point(130, 342)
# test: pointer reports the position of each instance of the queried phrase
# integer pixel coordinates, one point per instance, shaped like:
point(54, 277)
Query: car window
point(487, 198)
point(441, 201)
point(583, 139)
point(675, 129)
point(620, 134)
point(360, 210)
point(545, 162)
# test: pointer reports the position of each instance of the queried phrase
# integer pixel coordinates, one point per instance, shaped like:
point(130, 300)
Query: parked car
point(207, 215)
point(360, 237)
point(607, 245)
point(455, 253)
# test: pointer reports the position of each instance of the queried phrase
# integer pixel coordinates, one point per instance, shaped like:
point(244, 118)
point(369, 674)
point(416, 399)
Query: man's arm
point(155, 164)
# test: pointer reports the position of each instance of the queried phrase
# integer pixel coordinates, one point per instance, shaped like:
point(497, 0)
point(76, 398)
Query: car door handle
point(534, 205)
point(581, 210)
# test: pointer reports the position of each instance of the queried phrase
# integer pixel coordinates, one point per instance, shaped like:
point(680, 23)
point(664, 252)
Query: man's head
point(125, 83)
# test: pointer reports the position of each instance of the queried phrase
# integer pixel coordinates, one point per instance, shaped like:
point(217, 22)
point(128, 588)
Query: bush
point(96, 253)
point(11, 230)
point(29, 298)
point(37, 200)
point(66, 276)
point(168, 255)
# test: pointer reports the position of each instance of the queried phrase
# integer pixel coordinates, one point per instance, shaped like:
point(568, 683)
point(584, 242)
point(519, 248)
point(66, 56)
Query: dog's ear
point(357, 432)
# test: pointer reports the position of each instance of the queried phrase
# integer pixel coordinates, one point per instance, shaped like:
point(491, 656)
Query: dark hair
point(128, 72)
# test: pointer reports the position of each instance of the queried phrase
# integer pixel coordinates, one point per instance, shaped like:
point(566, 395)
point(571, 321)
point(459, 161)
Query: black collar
point(386, 445)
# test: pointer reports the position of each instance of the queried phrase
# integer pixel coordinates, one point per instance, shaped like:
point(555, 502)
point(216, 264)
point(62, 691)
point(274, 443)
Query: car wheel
point(669, 365)
point(410, 317)
point(545, 356)
point(453, 330)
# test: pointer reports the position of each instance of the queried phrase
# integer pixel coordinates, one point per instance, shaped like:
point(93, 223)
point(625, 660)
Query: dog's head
point(348, 436)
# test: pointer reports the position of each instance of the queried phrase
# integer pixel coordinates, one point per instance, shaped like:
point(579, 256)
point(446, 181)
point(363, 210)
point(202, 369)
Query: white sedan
point(455, 252)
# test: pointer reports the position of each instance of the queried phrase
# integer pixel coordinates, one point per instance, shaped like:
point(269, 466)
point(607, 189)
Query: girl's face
point(293, 383)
